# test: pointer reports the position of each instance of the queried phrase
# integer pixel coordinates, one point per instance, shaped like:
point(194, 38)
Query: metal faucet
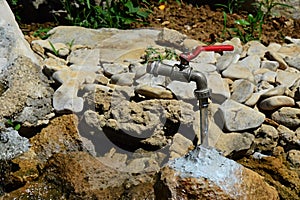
point(184, 73)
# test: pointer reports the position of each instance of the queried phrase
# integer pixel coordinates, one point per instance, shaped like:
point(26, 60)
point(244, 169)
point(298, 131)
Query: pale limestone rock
point(275, 102)
point(287, 78)
point(289, 117)
point(154, 92)
point(236, 71)
point(256, 48)
point(242, 91)
point(251, 62)
point(219, 88)
point(239, 117)
point(271, 65)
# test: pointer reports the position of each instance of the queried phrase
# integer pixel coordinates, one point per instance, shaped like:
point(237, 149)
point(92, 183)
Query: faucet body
point(184, 73)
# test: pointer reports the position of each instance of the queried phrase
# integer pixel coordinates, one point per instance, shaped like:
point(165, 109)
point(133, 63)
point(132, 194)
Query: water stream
point(203, 124)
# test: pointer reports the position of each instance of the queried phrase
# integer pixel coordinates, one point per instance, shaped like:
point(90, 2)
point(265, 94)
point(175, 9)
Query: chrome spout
point(186, 74)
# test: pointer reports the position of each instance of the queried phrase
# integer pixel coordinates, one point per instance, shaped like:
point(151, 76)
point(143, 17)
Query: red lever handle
point(191, 55)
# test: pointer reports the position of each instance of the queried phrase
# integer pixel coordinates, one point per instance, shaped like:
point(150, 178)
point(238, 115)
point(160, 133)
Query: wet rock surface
point(99, 126)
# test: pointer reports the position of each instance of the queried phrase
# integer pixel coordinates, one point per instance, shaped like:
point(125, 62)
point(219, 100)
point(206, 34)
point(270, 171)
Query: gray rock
point(269, 76)
point(12, 144)
point(85, 57)
point(28, 96)
point(294, 158)
point(12, 39)
point(251, 62)
point(203, 67)
point(277, 91)
point(289, 117)
point(124, 79)
point(239, 117)
point(111, 69)
point(275, 102)
point(288, 139)
point(205, 57)
point(266, 138)
point(171, 38)
point(152, 80)
point(154, 92)
point(65, 98)
point(286, 78)
point(206, 170)
point(273, 56)
point(233, 143)
point(271, 65)
point(219, 88)
point(242, 91)
point(183, 90)
point(180, 146)
point(256, 48)
point(223, 62)
point(236, 71)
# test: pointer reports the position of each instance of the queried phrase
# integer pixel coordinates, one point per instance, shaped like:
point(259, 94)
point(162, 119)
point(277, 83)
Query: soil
point(201, 22)
point(206, 23)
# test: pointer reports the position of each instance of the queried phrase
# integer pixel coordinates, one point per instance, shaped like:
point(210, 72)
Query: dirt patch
point(207, 25)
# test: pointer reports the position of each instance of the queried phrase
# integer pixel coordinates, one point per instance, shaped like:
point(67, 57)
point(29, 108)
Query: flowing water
point(203, 125)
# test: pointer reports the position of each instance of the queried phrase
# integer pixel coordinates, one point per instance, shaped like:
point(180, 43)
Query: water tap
point(184, 73)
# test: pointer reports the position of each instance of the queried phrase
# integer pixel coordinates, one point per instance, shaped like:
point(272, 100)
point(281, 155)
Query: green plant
point(158, 54)
point(13, 124)
point(55, 51)
point(111, 14)
point(42, 32)
point(70, 44)
point(251, 28)
point(232, 5)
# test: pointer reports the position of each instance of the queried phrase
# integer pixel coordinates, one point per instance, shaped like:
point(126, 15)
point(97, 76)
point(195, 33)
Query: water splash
point(208, 163)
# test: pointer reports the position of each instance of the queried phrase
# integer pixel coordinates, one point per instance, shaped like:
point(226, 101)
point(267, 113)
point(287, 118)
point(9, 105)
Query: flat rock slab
point(239, 117)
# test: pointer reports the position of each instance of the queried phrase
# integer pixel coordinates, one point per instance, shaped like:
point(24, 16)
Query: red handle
point(191, 55)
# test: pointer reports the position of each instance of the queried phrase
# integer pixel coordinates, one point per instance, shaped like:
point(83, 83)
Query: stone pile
point(130, 123)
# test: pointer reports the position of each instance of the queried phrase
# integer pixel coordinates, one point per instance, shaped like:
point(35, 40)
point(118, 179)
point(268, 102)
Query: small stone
point(111, 69)
point(236, 71)
point(219, 88)
point(242, 91)
point(251, 62)
point(273, 56)
point(203, 67)
point(256, 48)
point(266, 138)
point(239, 117)
point(294, 158)
point(289, 139)
point(205, 57)
point(157, 92)
point(183, 90)
point(273, 47)
point(223, 62)
point(101, 79)
point(287, 78)
point(277, 91)
point(271, 65)
point(180, 145)
point(124, 79)
point(275, 102)
point(289, 117)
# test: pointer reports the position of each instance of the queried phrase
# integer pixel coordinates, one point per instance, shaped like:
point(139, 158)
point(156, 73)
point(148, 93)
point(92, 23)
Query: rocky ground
point(95, 124)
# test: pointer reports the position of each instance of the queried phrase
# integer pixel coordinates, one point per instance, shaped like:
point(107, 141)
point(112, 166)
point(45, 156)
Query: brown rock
point(205, 174)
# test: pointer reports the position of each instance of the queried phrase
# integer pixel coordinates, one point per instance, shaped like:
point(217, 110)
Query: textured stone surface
point(28, 96)
point(204, 174)
point(287, 116)
point(239, 117)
